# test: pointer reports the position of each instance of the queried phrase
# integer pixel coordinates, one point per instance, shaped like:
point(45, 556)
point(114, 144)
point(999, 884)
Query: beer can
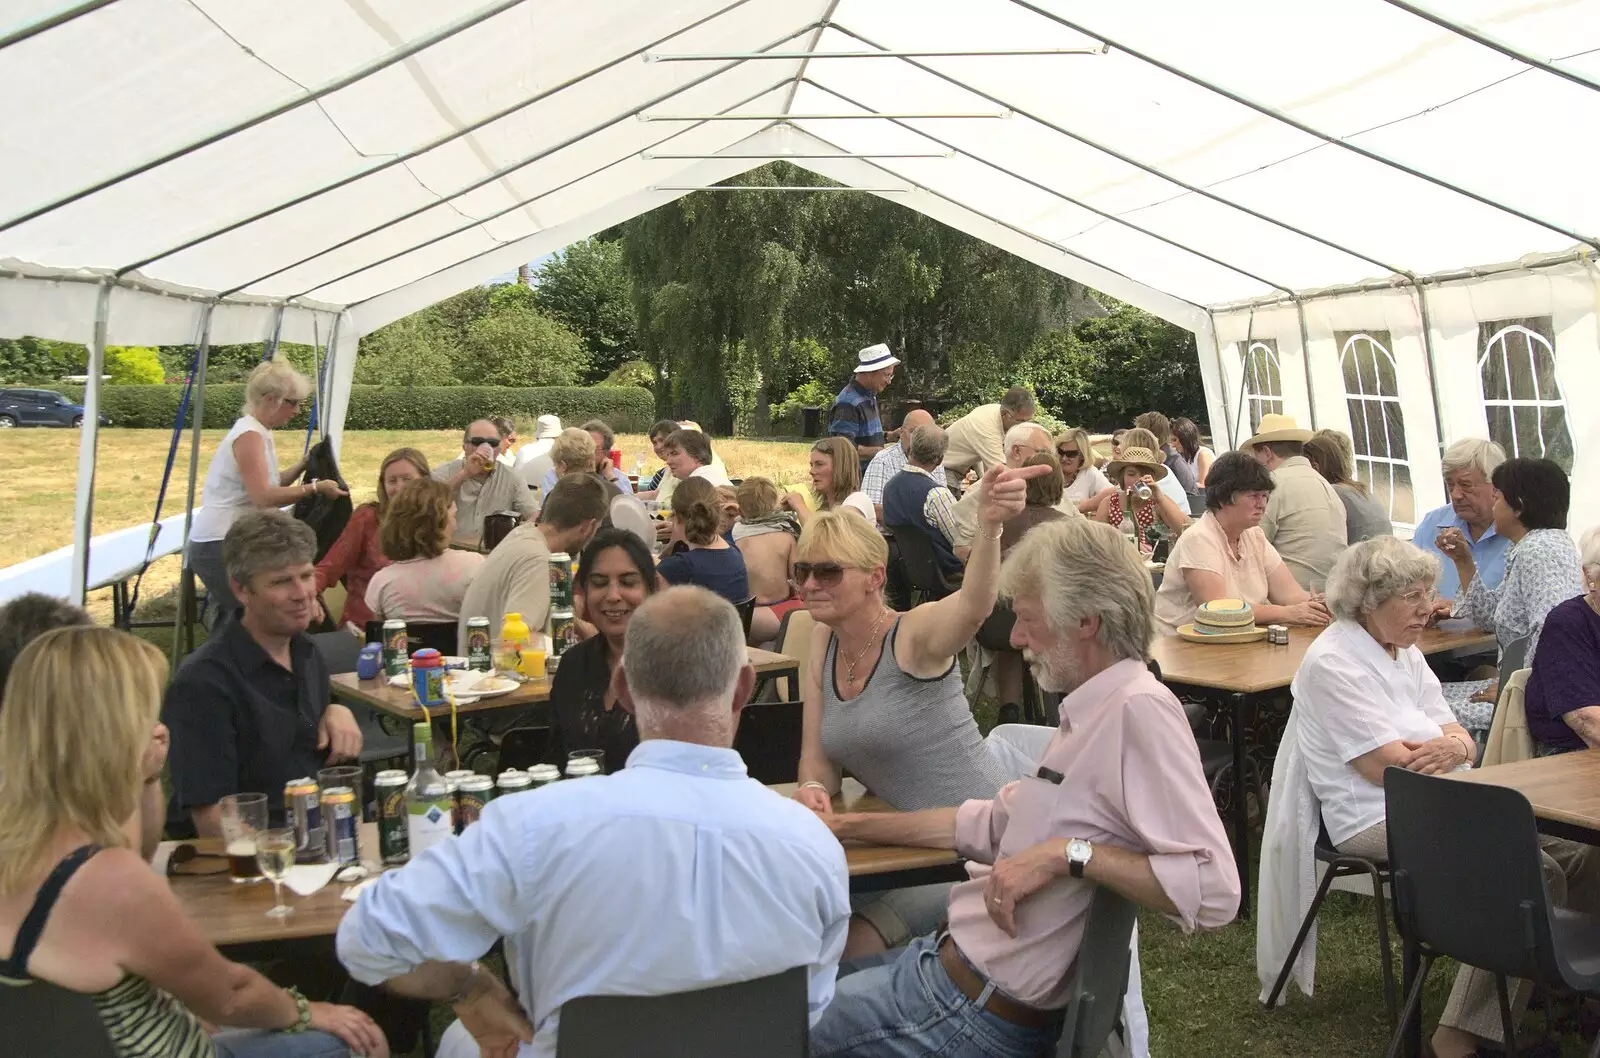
point(452, 782)
point(394, 842)
point(563, 634)
point(512, 781)
point(342, 819)
point(396, 650)
point(302, 809)
point(560, 581)
point(583, 768)
point(478, 641)
point(471, 796)
point(543, 775)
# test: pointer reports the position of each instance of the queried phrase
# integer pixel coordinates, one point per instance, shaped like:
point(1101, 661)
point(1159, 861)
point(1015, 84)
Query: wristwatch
point(1079, 853)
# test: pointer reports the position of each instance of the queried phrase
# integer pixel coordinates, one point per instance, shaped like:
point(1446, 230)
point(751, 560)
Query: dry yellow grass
point(39, 471)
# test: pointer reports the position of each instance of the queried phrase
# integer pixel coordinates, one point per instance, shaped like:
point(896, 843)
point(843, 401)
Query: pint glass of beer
point(243, 817)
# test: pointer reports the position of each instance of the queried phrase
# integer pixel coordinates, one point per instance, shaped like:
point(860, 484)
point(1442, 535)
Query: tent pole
point(1305, 359)
point(1222, 380)
point(182, 633)
point(1427, 349)
point(816, 38)
point(88, 443)
point(1510, 51)
point(52, 21)
point(1244, 375)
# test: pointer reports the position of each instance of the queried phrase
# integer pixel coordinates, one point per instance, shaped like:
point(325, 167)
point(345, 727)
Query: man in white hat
point(855, 409)
point(1305, 517)
point(545, 432)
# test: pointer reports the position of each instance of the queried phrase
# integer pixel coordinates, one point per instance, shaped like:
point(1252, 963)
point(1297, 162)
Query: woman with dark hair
point(1186, 439)
point(616, 574)
point(358, 554)
point(1329, 452)
point(1542, 568)
point(710, 561)
point(1225, 555)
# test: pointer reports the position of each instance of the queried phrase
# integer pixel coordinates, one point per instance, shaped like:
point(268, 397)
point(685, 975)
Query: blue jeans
point(909, 1007)
point(255, 1043)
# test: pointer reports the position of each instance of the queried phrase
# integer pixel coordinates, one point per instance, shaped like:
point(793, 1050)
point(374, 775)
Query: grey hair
point(1018, 401)
point(265, 541)
point(1374, 571)
point(273, 378)
point(1018, 433)
point(928, 444)
point(684, 649)
point(1589, 552)
point(1077, 568)
point(1473, 453)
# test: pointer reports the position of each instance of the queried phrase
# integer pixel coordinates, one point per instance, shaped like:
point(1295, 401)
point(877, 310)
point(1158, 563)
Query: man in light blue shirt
point(1468, 465)
point(679, 872)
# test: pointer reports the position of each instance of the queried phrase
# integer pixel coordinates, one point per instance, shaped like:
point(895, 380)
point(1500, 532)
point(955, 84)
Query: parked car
point(40, 407)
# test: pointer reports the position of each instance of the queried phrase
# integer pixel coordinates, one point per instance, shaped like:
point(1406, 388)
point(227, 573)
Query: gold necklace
point(850, 666)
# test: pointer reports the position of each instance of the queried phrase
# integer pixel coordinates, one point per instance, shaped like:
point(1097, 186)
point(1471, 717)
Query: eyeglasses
point(295, 401)
point(474, 442)
point(826, 574)
point(1421, 598)
point(1067, 453)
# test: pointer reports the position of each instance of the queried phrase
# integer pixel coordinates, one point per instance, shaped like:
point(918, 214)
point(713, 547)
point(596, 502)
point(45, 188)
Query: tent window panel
point(1263, 380)
point(1397, 430)
point(1526, 411)
point(1377, 424)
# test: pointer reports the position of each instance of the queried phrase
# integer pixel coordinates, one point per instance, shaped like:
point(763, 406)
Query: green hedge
point(628, 409)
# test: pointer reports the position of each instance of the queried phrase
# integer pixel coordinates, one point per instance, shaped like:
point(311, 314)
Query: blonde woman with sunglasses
point(883, 695)
point(1082, 483)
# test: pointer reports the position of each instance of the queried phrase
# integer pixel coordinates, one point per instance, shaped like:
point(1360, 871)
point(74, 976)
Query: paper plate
point(1253, 635)
point(488, 687)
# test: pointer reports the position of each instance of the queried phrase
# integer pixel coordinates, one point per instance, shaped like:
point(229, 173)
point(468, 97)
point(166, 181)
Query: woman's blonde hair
point(696, 504)
point(844, 537)
point(273, 378)
point(758, 497)
point(399, 455)
point(81, 704)
point(574, 449)
point(418, 521)
point(846, 469)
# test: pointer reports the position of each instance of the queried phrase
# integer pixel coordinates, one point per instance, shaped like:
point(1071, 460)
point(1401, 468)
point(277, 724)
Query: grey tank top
point(912, 742)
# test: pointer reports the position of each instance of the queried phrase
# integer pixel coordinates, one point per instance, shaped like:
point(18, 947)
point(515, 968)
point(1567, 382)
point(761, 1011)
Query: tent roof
point(383, 155)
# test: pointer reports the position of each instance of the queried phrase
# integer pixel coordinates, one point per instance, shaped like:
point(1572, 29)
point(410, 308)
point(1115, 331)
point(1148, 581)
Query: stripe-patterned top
point(140, 1019)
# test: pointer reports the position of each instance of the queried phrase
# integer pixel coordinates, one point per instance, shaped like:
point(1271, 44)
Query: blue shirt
point(620, 481)
point(1488, 551)
point(679, 872)
point(721, 570)
point(855, 415)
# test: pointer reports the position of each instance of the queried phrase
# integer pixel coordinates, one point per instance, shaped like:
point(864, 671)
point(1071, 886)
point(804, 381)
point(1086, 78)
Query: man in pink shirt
point(1118, 800)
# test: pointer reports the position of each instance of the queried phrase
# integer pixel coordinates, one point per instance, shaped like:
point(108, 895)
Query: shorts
point(901, 914)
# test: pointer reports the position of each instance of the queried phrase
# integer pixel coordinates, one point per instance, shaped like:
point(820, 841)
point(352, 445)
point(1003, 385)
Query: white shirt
point(533, 450)
point(858, 502)
point(225, 498)
point(1351, 697)
point(1091, 481)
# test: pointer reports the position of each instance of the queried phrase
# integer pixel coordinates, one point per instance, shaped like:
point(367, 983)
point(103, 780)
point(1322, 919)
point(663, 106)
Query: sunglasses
point(826, 574)
point(1067, 453)
point(492, 442)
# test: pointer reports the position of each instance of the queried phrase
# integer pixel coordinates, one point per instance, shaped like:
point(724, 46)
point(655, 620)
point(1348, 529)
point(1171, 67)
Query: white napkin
point(464, 681)
point(307, 878)
point(352, 892)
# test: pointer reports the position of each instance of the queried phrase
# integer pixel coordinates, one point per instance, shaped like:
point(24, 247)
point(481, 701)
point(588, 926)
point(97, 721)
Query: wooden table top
point(1564, 788)
point(237, 914)
point(1251, 668)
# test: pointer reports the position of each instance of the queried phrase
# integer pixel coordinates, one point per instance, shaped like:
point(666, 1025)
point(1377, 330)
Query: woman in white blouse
point(244, 475)
point(1082, 483)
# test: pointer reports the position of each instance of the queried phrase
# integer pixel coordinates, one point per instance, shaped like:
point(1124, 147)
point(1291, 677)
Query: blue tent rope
point(166, 478)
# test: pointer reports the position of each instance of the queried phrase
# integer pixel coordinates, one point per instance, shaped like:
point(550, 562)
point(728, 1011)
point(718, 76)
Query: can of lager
point(560, 581)
point(452, 782)
point(302, 809)
point(543, 775)
point(394, 843)
point(512, 781)
point(471, 796)
point(342, 819)
point(478, 642)
point(563, 634)
point(396, 650)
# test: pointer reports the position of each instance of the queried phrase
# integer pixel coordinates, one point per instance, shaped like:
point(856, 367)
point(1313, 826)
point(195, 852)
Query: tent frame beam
point(997, 115)
point(1510, 51)
point(999, 53)
point(182, 632)
point(88, 448)
point(1311, 130)
point(361, 73)
point(816, 38)
point(779, 156)
point(417, 152)
point(782, 187)
point(49, 22)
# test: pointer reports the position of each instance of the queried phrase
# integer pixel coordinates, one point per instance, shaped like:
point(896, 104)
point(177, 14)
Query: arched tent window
point(1377, 426)
point(1263, 381)
point(1517, 365)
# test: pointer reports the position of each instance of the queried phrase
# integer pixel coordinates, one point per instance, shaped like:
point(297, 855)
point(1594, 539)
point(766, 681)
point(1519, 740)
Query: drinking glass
point(243, 817)
point(275, 854)
point(506, 658)
point(348, 776)
point(596, 755)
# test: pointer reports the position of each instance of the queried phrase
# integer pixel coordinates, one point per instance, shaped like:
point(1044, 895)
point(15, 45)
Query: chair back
point(1442, 835)
point(523, 747)
point(764, 1018)
point(339, 650)
point(629, 514)
point(747, 610)
point(768, 740)
point(1100, 977)
point(794, 640)
point(1513, 656)
point(995, 632)
point(1509, 739)
point(43, 1020)
point(920, 563)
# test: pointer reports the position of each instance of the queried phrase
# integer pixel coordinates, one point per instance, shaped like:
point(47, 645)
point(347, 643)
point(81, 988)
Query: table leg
point(1241, 807)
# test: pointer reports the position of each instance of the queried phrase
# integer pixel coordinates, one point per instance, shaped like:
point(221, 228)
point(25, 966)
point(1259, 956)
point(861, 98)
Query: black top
point(721, 570)
point(579, 718)
point(241, 723)
point(44, 901)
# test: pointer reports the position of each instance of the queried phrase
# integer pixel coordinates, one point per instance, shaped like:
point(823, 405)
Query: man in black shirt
point(249, 710)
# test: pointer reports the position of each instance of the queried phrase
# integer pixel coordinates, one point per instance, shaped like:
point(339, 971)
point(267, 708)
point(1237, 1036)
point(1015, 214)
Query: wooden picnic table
point(233, 915)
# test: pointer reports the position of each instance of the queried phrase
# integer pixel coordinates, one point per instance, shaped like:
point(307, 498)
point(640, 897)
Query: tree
point(411, 351)
point(31, 361)
point(515, 345)
point(586, 287)
point(134, 365)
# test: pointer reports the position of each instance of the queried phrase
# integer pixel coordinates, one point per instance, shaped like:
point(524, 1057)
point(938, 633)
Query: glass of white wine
point(275, 854)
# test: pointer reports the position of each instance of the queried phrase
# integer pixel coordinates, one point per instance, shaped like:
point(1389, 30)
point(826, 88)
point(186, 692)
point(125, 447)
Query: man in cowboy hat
point(976, 439)
point(1305, 517)
point(855, 409)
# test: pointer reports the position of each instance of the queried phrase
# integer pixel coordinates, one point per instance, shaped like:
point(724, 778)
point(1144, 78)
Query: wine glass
point(275, 854)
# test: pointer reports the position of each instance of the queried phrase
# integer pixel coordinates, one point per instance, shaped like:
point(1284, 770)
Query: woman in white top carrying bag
point(244, 474)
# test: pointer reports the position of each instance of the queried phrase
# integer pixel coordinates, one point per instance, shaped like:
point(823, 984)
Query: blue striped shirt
point(855, 415)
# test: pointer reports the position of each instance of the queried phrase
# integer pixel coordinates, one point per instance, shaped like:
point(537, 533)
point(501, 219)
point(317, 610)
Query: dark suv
point(39, 407)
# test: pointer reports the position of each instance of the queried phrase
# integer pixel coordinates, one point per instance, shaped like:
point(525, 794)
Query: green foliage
point(392, 407)
point(587, 288)
point(631, 373)
point(38, 361)
point(516, 345)
point(786, 415)
point(412, 351)
point(134, 365)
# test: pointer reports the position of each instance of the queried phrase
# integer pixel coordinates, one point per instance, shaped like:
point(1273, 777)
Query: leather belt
point(971, 984)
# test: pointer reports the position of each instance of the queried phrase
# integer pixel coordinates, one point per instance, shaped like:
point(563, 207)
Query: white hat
point(548, 426)
point(875, 358)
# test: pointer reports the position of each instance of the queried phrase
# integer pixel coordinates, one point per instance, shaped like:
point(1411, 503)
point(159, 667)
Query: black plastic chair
point(1497, 917)
point(523, 747)
point(995, 635)
point(1344, 865)
point(764, 1018)
point(1216, 758)
point(769, 741)
point(1101, 977)
point(746, 610)
point(43, 1020)
point(921, 564)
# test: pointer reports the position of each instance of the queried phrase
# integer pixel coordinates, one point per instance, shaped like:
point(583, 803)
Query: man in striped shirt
point(855, 409)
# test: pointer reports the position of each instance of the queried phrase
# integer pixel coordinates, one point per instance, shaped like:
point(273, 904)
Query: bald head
point(908, 426)
point(685, 669)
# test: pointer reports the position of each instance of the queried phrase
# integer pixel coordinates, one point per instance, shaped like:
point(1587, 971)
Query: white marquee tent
point(1374, 215)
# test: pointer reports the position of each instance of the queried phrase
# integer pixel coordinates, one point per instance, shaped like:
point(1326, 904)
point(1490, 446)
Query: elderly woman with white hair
point(244, 474)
